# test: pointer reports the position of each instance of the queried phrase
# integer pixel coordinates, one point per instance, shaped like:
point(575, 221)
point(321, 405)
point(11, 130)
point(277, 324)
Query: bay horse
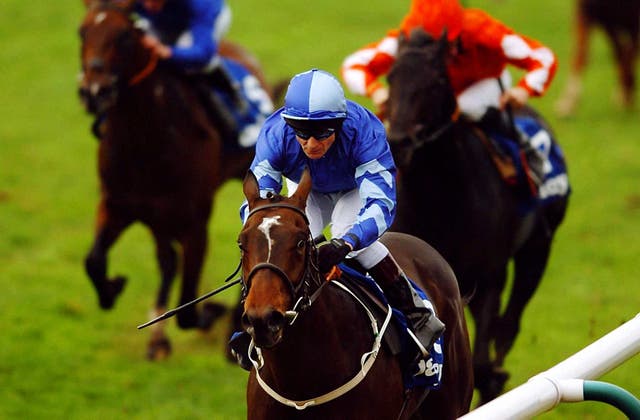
point(160, 159)
point(451, 195)
point(620, 20)
point(312, 334)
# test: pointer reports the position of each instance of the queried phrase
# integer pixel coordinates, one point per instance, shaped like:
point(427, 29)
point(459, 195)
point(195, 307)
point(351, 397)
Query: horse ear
point(304, 186)
point(250, 187)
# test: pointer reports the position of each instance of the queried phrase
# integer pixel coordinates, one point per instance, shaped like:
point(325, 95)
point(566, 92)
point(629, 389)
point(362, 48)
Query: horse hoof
point(210, 313)
point(113, 288)
point(159, 349)
point(493, 385)
point(188, 318)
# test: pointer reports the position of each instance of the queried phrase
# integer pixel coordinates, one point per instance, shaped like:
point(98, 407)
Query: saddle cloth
point(421, 373)
point(258, 100)
point(556, 182)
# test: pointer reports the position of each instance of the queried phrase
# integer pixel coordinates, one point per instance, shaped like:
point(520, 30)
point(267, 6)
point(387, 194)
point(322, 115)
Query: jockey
point(481, 48)
point(353, 184)
point(186, 34)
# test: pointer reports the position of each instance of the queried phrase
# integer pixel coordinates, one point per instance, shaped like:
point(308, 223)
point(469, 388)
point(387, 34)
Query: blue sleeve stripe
point(268, 177)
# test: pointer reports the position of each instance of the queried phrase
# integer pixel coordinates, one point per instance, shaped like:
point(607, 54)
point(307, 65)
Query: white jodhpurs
point(339, 211)
point(477, 98)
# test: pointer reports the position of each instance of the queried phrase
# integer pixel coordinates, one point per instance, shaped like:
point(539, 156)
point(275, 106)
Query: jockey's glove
point(332, 253)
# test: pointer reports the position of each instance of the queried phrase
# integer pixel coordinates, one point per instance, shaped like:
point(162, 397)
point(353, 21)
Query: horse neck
point(325, 343)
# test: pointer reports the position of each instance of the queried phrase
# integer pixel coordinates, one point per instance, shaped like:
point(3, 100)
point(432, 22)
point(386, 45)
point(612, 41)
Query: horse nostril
point(275, 321)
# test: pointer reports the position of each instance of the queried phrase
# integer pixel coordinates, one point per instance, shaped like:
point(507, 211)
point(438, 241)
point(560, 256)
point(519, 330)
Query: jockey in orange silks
point(481, 49)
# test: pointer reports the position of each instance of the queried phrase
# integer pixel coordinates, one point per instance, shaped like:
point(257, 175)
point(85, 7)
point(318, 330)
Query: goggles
point(318, 135)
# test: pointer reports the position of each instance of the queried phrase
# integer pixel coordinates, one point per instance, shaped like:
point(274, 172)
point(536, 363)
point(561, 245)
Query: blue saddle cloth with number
point(556, 180)
point(258, 100)
point(423, 373)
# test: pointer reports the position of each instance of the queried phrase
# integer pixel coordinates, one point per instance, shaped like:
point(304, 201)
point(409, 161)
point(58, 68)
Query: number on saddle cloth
point(423, 372)
point(258, 100)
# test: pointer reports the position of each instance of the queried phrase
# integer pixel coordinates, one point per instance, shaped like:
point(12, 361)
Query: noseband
point(310, 276)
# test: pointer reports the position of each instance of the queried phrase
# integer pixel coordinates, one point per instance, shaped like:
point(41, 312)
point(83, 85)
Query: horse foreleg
point(566, 105)
point(529, 265)
point(195, 246)
point(108, 229)
point(485, 306)
point(159, 346)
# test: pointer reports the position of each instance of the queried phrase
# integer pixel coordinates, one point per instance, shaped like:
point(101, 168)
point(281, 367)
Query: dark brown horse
point(620, 20)
point(312, 334)
point(160, 159)
point(452, 196)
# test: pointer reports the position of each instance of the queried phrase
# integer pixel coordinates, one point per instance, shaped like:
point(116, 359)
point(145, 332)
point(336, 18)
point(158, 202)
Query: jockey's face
point(153, 6)
point(314, 148)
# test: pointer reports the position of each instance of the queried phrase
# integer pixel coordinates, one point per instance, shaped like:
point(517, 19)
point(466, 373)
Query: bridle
point(301, 291)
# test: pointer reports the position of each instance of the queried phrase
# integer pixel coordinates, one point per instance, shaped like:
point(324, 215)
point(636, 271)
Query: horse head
point(278, 260)
point(111, 53)
point(421, 100)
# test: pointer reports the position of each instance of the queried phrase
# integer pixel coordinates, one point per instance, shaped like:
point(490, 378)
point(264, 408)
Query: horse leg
point(624, 55)
point(568, 101)
point(108, 230)
point(159, 346)
point(485, 307)
point(194, 249)
point(529, 265)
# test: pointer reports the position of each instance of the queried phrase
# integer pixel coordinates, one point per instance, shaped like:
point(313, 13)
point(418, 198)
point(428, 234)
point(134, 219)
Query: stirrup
point(424, 328)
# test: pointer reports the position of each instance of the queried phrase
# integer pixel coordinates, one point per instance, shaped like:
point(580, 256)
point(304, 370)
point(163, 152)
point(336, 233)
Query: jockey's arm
point(362, 70)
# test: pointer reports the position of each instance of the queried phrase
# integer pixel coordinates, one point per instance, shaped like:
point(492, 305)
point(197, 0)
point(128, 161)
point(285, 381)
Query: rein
point(146, 71)
point(304, 301)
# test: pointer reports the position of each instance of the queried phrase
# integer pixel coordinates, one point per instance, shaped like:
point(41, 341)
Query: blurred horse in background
point(160, 159)
point(317, 356)
point(452, 195)
point(620, 20)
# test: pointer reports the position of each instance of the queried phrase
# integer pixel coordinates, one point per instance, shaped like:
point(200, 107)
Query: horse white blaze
point(100, 17)
point(265, 227)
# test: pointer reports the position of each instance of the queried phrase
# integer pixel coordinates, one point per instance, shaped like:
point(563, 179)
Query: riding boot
point(217, 110)
point(422, 321)
point(495, 121)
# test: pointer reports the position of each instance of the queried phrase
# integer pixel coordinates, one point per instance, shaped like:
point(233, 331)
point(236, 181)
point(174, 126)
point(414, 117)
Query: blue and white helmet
point(314, 98)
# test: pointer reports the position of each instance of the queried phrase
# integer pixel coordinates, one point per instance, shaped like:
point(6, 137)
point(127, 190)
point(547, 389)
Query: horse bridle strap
point(366, 362)
point(279, 205)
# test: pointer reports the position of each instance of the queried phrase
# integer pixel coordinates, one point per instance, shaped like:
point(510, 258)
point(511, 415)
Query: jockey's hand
point(516, 96)
point(379, 97)
point(156, 46)
point(332, 253)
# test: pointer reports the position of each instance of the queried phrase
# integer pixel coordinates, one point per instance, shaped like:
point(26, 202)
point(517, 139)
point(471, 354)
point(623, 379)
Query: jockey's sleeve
point(528, 54)
point(269, 161)
point(375, 176)
point(203, 46)
point(361, 70)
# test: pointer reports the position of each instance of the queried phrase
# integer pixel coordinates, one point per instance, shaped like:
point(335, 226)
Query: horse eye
point(301, 244)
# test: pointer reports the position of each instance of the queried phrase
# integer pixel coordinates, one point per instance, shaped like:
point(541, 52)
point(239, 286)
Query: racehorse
point(620, 20)
point(451, 195)
point(312, 333)
point(160, 159)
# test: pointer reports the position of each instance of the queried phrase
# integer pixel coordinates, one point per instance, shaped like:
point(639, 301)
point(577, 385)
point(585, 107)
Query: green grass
point(62, 357)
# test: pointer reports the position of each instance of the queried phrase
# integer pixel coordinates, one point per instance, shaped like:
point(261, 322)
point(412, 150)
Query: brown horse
point(620, 20)
point(312, 334)
point(160, 159)
point(451, 194)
